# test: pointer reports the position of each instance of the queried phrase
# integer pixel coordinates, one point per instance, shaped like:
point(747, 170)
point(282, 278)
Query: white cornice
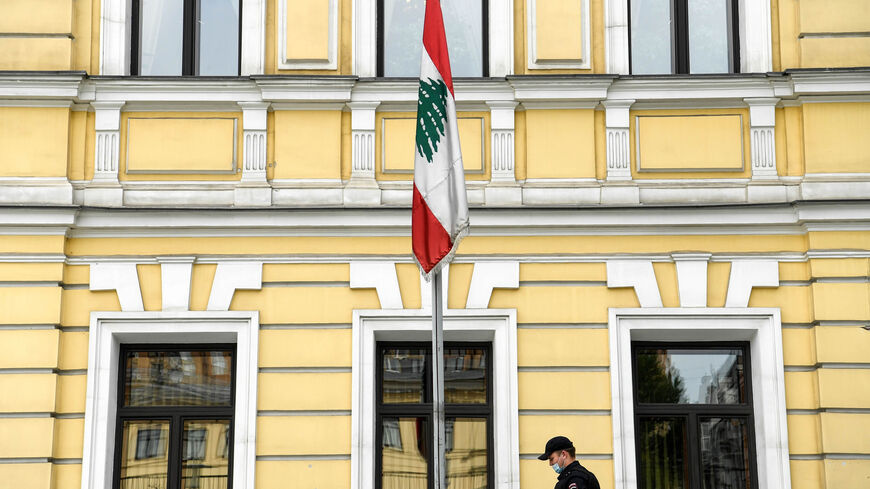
point(170, 90)
point(691, 88)
point(741, 219)
point(39, 86)
point(535, 88)
point(305, 89)
point(831, 82)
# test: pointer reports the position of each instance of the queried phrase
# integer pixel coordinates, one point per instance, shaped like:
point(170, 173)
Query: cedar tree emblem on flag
point(439, 215)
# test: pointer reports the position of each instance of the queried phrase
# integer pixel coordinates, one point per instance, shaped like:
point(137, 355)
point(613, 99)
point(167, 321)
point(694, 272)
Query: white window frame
point(756, 46)
point(498, 326)
point(365, 38)
point(761, 327)
point(108, 330)
point(116, 32)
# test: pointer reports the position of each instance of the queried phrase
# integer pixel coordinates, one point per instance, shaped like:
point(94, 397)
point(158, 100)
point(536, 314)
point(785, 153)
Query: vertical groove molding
point(108, 132)
point(253, 189)
point(362, 189)
point(762, 121)
point(617, 133)
point(503, 188)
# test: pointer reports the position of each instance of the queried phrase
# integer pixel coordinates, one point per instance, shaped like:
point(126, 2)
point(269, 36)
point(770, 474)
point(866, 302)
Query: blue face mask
point(558, 468)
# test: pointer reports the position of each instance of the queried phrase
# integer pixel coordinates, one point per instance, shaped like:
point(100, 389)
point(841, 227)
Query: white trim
point(495, 325)
point(487, 276)
point(115, 32)
point(229, 277)
point(364, 34)
point(108, 330)
point(328, 63)
point(616, 36)
point(534, 63)
point(638, 274)
point(759, 326)
point(501, 38)
point(748, 274)
point(382, 277)
point(692, 278)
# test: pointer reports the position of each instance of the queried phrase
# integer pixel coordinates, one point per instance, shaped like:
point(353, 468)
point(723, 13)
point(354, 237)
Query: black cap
point(554, 445)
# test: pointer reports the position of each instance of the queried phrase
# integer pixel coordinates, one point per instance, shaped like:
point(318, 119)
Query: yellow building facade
point(180, 179)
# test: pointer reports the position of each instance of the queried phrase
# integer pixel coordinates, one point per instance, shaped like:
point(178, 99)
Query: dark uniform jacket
point(575, 476)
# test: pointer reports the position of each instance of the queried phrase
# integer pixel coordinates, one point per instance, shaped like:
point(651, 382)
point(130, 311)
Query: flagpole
point(438, 460)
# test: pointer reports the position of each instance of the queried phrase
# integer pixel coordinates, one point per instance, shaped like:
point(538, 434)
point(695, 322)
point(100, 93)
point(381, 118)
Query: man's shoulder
point(580, 478)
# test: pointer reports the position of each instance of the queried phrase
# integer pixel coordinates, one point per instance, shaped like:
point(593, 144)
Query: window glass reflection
point(203, 462)
point(144, 454)
point(465, 375)
point(662, 452)
point(689, 376)
point(178, 378)
point(403, 33)
point(161, 31)
point(404, 462)
point(218, 37)
point(651, 37)
point(724, 453)
point(403, 374)
point(708, 36)
point(466, 453)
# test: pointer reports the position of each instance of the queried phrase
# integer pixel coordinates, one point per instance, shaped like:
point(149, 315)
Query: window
point(404, 415)
point(693, 416)
point(186, 37)
point(176, 405)
point(684, 36)
point(400, 34)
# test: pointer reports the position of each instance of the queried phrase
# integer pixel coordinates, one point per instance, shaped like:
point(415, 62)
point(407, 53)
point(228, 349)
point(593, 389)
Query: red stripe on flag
point(429, 239)
point(435, 41)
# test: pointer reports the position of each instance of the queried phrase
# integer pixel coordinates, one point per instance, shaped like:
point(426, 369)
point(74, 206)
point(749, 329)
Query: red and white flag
point(439, 215)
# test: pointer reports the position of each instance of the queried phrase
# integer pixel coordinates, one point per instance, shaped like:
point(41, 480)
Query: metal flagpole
point(438, 460)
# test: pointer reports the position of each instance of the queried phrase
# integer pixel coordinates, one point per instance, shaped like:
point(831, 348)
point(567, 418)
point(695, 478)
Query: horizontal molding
point(831, 456)
point(829, 365)
point(307, 284)
point(798, 325)
point(812, 412)
point(296, 458)
point(278, 413)
point(580, 456)
point(43, 414)
point(75, 286)
point(39, 283)
point(305, 370)
point(41, 370)
point(38, 35)
point(40, 460)
point(561, 325)
point(562, 283)
point(823, 35)
point(307, 326)
point(564, 412)
point(74, 329)
point(26, 327)
point(571, 368)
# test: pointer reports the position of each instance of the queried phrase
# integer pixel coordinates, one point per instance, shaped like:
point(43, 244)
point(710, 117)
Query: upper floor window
point(175, 416)
point(185, 37)
point(693, 416)
point(400, 36)
point(684, 36)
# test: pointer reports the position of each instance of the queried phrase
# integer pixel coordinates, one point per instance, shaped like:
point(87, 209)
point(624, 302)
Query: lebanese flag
point(439, 213)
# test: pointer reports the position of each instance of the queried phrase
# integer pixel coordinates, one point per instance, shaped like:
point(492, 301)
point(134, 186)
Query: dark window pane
point(662, 453)
point(405, 466)
point(724, 453)
point(204, 464)
point(403, 36)
point(708, 36)
point(651, 37)
point(466, 449)
point(161, 27)
point(144, 454)
point(178, 378)
point(690, 376)
point(465, 375)
point(403, 371)
point(219, 37)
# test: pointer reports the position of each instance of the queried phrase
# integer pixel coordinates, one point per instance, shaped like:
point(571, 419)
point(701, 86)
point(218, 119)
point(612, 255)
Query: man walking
point(560, 453)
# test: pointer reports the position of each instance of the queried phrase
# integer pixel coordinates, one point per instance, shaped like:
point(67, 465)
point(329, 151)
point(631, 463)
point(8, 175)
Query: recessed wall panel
point(181, 145)
point(399, 144)
point(835, 137)
point(689, 143)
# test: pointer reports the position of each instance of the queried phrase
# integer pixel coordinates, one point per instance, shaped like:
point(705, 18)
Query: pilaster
point(762, 121)
point(503, 188)
point(254, 190)
point(619, 188)
point(105, 189)
point(362, 189)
